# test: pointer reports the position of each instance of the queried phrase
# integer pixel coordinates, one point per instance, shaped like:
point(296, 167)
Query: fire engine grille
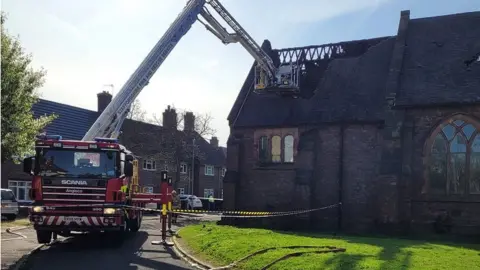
point(74, 209)
point(60, 192)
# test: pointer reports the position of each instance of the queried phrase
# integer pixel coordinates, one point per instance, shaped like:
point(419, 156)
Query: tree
point(19, 83)
point(203, 122)
point(136, 112)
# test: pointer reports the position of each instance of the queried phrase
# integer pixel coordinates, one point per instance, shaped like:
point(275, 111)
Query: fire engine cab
point(81, 186)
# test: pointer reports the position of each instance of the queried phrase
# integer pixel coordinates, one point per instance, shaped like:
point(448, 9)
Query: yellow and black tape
point(240, 214)
point(178, 211)
point(229, 214)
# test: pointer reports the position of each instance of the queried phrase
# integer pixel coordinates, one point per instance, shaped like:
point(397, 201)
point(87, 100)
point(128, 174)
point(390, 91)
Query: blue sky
point(86, 44)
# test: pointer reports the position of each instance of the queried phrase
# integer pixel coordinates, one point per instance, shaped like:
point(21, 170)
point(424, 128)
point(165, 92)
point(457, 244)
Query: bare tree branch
point(203, 125)
point(136, 112)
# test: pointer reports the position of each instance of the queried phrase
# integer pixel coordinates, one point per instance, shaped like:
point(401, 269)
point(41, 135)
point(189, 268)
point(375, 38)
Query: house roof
point(352, 86)
point(435, 69)
point(73, 122)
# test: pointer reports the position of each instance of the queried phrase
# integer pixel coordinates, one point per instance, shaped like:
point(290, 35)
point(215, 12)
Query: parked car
point(9, 204)
point(190, 202)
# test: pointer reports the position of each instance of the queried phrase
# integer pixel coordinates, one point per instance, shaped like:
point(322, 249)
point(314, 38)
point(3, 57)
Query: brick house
point(389, 127)
point(73, 123)
point(150, 141)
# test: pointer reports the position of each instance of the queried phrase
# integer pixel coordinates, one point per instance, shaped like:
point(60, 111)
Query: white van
point(9, 204)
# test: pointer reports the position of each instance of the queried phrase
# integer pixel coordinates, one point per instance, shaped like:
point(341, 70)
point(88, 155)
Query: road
point(94, 252)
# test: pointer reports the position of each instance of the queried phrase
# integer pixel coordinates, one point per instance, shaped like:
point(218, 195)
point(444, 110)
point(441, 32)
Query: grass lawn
point(222, 245)
point(16, 223)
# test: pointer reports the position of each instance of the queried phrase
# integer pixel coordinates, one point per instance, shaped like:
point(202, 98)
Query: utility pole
point(193, 165)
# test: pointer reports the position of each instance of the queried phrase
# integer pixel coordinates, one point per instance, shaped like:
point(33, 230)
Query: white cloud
point(87, 44)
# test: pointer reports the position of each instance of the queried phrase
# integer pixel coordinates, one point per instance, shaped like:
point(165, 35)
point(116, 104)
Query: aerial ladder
point(268, 77)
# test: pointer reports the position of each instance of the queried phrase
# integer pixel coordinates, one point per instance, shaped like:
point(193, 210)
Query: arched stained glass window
point(455, 159)
point(263, 148)
point(288, 143)
point(276, 149)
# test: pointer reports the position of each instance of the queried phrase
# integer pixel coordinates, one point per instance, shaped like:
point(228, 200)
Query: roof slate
point(73, 122)
point(434, 69)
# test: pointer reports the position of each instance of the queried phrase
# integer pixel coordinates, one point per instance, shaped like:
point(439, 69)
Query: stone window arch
point(454, 157)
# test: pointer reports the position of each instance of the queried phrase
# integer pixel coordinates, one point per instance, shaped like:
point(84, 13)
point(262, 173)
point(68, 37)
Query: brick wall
point(376, 193)
point(313, 180)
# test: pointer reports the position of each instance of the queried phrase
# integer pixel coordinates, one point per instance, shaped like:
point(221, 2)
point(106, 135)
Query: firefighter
point(175, 205)
point(211, 202)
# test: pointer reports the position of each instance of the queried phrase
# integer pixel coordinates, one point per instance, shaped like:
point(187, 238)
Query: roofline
point(446, 15)
point(63, 104)
point(331, 44)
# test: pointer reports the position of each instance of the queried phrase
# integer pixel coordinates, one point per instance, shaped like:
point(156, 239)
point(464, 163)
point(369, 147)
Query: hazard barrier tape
point(240, 214)
point(230, 214)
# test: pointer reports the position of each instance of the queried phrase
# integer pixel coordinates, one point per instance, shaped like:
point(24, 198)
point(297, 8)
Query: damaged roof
point(327, 93)
point(437, 68)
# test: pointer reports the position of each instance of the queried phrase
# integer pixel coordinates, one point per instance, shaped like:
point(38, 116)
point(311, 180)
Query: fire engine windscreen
point(80, 164)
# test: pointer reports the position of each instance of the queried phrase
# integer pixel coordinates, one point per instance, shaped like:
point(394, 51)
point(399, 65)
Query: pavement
point(95, 251)
point(16, 245)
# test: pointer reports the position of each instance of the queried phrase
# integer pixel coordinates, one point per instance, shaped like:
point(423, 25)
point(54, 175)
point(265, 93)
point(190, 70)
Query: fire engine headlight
point(38, 209)
point(109, 211)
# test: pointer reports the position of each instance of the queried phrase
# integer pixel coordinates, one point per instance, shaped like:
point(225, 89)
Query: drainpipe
point(340, 178)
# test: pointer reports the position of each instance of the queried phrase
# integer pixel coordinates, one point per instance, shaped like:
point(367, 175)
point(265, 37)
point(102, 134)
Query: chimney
point(189, 121)
point(170, 118)
point(103, 99)
point(214, 141)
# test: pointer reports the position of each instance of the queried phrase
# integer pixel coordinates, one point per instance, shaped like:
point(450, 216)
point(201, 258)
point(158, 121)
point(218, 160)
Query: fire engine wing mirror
point(28, 165)
point(128, 169)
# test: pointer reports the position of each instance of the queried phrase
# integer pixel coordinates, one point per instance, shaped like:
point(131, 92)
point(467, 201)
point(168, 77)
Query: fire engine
point(91, 184)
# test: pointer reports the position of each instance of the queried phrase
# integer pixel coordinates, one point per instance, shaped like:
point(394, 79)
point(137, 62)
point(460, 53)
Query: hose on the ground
point(326, 249)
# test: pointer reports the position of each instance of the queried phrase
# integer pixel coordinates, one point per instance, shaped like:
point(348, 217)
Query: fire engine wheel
point(134, 224)
point(44, 237)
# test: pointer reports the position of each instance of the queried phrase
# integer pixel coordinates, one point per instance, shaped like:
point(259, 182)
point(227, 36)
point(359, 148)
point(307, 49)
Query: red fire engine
point(84, 186)
point(90, 185)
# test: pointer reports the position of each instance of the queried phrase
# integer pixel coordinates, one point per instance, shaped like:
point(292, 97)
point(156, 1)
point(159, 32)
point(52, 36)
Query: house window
point(149, 165)
point(263, 149)
point(181, 191)
point(276, 149)
point(183, 168)
point(288, 148)
point(223, 171)
point(207, 192)
point(455, 159)
point(209, 170)
point(20, 189)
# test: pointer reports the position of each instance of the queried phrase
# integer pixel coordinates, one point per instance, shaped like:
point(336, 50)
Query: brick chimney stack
point(214, 141)
point(170, 118)
point(103, 99)
point(189, 122)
